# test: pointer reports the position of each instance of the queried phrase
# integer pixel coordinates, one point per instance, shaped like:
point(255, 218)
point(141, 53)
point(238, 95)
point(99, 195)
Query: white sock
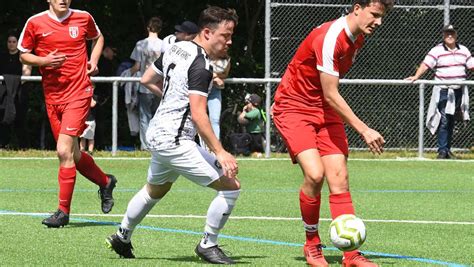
point(217, 216)
point(137, 209)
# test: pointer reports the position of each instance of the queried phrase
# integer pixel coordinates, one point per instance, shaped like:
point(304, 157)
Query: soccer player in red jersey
point(310, 113)
point(55, 40)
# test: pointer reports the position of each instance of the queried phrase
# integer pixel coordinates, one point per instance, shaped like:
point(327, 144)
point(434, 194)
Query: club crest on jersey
point(74, 31)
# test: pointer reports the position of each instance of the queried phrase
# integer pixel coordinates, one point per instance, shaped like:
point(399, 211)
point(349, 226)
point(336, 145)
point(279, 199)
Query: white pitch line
point(234, 218)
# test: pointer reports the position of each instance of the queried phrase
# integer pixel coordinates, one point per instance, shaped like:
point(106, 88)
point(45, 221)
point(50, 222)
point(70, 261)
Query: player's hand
point(54, 59)
point(411, 78)
point(92, 69)
point(374, 140)
point(228, 164)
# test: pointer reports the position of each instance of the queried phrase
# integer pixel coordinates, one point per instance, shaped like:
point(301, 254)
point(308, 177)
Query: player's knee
point(225, 184)
point(64, 153)
point(158, 191)
point(314, 178)
point(339, 176)
point(235, 184)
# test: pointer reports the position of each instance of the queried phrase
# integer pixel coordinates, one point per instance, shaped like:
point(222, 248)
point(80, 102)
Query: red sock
point(310, 213)
point(87, 167)
point(342, 204)
point(66, 179)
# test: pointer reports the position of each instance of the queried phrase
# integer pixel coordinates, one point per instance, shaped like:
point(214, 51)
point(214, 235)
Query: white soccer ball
point(347, 232)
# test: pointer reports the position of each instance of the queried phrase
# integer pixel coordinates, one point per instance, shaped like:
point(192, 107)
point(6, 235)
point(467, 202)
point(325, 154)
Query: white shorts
point(188, 160)
point(89, 132)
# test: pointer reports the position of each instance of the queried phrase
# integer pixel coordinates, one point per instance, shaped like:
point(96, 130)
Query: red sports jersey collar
point(54, 17)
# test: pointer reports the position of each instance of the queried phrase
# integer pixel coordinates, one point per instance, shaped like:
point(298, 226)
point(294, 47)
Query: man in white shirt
point(146, 51)
point(449, 60)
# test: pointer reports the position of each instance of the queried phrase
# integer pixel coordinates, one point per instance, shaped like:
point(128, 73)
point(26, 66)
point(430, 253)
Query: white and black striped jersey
point(186, 69)
point(168, 41)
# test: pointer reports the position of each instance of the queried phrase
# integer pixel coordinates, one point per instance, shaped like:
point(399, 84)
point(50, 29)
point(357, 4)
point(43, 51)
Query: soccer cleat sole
point(109, 246)
point(53, 226)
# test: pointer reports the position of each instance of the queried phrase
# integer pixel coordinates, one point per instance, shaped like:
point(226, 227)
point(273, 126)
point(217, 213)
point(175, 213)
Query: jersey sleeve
point(27, 40)
point(158, 65)
point(199, 77)
point(328, 51)
point(92, 29)
point(431, 59)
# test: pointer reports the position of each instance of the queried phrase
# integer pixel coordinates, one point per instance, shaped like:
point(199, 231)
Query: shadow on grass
point(89, 224)
point(196, 259)
point(338, 259)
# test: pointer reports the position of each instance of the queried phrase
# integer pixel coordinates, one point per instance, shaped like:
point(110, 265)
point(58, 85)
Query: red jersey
point(44, 33)
point(329, 48)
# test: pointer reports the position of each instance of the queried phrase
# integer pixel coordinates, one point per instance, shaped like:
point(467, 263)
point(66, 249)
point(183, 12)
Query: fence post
point(268, 101)
point(421, 120)
point(446, 12)
point(267, 75)
point(114, 117)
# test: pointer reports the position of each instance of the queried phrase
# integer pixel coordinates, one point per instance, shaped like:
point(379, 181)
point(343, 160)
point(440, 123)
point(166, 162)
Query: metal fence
point(391, 106)
point(412, 137)
point(395, 50)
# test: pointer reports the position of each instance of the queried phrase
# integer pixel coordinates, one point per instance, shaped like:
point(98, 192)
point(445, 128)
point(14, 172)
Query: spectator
point(10, 64)
point(108, 65)
point(221, 69)
point(184, 32)
point(146, 51)
point(253, 117)
point(56, 41)
point(87, 137)
point(449, 60)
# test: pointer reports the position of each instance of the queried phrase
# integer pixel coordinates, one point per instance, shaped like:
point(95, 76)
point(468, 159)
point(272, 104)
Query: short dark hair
point(154, 24)
point(212, 16)
point(12, 33)
point(388, 4)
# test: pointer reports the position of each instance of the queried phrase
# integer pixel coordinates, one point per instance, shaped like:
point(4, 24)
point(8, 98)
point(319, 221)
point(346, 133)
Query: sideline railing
point(268, 82)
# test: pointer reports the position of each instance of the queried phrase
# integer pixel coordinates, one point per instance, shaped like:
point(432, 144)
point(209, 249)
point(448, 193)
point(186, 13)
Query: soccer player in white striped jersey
point(449, 60)
point(184, 76)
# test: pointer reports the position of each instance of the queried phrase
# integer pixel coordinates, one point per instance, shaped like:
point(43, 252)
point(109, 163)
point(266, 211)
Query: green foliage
point(123, 23)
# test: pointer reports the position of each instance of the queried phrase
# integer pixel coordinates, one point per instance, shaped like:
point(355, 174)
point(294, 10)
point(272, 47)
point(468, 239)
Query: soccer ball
point(347, 232)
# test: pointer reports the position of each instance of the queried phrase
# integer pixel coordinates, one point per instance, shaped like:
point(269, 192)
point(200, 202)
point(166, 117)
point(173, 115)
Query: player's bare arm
point(97, 46)
point(152, 81)
point(53, 59)
point(198, 105)
point(330, 86)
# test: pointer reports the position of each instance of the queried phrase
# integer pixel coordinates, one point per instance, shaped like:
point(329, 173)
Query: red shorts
point(320, 129)
point(68, 118)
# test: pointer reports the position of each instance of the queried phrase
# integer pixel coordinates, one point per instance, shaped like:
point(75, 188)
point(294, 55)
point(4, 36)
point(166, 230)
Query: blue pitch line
point(46, 190)
point(264, 241)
